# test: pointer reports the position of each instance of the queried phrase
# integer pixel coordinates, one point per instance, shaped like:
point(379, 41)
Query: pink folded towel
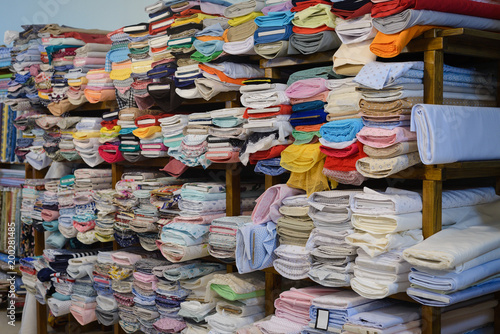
point(379, 138)
point(268, 204)
point(125, 258)
point(306, 88)
point(294, 304)
point(49, 215)
point(83, 316)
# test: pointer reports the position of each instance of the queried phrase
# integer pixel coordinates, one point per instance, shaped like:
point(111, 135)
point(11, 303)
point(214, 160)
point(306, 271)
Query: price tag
point(322, 318)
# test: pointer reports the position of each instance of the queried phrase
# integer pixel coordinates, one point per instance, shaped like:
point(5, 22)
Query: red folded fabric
point(464, 7)
point(309, 31)
point(109, 124)
point(306, 4)
point(223, 156)
point(175, 168)
point(88, 38)
point(344, 159)
point(284, 110)
point(155, 118)
point(348, 14)
point(110, 153)
point(273, 152)
point(160, 29)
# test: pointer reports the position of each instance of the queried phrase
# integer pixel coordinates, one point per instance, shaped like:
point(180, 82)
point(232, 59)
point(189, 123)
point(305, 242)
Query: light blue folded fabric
point(341, 130)
point(435, 299)
point(337, 317)
point(387, 316)
point(227, 122)
point(192, 270)
point(213, 30)
point(275, 19)
point(255, 245)
point(451, 282)
point(270, 167)
point(184, 234)
point(56, 240)
point(270, 34)
point(51, 226)
point(208, 48)
point(396, 23)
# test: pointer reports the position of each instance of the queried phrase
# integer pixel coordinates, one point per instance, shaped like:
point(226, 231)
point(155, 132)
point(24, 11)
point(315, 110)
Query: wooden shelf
point(457, 170)
point(458, 41)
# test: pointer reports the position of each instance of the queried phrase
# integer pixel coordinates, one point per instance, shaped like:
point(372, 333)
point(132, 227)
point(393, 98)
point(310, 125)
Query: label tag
point(322, 318)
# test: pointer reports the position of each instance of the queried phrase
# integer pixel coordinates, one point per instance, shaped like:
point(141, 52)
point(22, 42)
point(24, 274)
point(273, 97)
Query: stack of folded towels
point(187, 239)
point(332, 258)
point(179, 281)
point(222, 236)
point(125, 292)
point(109, 150)
point(129, 143)
point(50, 215)
point(340, 306)
point(144, 287)
point(226, 135)
point(343, 105)
point(99, 86)
point(86, 140)
point(172, 128)
point(386, 105)
point(67, 126)
point(292, 310)
point(65, 192)
point(461, 262)
point(396, 318)
point(125, 201)
point(273, 32)
point(293, 229)
point(313, 28)
point(241, 301)
point(304, 159)
point(386, 223)
point(268, 112)
point(105, 214)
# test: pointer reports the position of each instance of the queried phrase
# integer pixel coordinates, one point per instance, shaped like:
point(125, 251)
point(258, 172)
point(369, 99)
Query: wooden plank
point(432, 204)
point(233, 190)
point(232, 104)
point(270, 181)
point(433, 77)
point(41, 318)
point(464, 173)
point(28, 171)
point(273, 289)
point(424, 44)
point(472, 46)
point(117, 172)
point(272, 73)
point(117, 329)
point(316, 58)
point(431, 320)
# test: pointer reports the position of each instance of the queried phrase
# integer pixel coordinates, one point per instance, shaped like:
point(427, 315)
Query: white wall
point(99, 14)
